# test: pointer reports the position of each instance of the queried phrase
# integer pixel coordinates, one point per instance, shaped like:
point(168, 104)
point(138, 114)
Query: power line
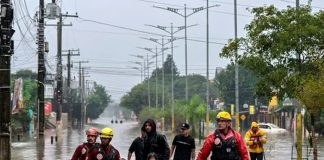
point(136, 30)
point(120, 27)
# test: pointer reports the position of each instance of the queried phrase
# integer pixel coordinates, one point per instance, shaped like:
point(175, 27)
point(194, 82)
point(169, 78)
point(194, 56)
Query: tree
point(22, 119)
point(225, 82)
point(311, 94)
point(137, 98)
point(280, 48)
point(97, 102)
point(25, 74)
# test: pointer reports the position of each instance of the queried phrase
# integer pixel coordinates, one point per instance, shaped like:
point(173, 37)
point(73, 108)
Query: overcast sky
point(108, 48)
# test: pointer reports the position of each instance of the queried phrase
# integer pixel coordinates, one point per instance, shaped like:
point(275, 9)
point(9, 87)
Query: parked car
point(272, 128)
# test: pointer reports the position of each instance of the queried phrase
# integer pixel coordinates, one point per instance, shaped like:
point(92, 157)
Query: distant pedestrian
point(255, 138)
point(224, 142)
point(137, 146)
point(82, 152)
point(154, 142)
point(183, 144)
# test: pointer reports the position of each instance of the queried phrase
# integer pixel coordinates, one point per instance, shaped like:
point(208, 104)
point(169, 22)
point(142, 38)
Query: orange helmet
point(92, 132)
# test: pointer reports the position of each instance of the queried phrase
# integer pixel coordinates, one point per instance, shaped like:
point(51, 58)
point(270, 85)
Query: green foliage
point(312, 92)
point(30, 93)
point(25, 74)
point(97, 102)
point(21, 119)
point(225, 82)
point(137, 98)
point(282, 47)
point(193, 113)
point(280, 42)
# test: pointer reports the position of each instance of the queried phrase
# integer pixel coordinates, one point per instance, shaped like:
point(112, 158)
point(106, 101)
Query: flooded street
point(278, 147)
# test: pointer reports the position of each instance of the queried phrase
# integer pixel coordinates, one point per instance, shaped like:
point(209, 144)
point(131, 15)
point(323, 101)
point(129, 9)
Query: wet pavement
point(279, 146)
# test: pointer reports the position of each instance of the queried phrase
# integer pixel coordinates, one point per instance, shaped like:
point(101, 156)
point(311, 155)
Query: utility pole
point(162, 50)
point(41, 70)
point(172, 32)
point(148, 78)
point(156, 53)
point(82, 110)
point(6, 50)
point(299, 117)
point(137, 68)
point(237, 107)
point(59, 76)
point(70, 112)
point(207, 71)
point(185, 16)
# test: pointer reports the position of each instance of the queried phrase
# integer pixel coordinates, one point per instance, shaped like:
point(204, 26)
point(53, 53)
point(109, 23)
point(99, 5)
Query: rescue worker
point(255, 138)
point(154, 142)
point(137, 146)
point(183, 144)
point(105, 151)
point(82, 152)
point(224, 142)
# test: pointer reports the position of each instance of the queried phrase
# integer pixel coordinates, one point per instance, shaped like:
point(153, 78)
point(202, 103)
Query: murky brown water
point(278, 147)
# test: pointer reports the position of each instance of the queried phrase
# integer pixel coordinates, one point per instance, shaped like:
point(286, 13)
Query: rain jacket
point(259, 136)
point(104, 152)
point(154, 142)
point(82, 151)
point(209, 144)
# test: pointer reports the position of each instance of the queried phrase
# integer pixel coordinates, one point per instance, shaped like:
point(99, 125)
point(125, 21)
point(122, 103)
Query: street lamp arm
point(152, 39)
point(183, 27)
point(138, 56)
point(173, 10)
point(198, 9)
point(159, 27)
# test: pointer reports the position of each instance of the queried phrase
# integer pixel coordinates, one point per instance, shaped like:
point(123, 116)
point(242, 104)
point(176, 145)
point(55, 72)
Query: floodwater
point(278, 146)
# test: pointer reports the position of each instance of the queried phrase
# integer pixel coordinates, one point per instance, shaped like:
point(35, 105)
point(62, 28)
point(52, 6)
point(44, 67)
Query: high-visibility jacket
point(255, 140)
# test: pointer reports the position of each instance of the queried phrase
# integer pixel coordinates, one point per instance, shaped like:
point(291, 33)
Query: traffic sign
point(243, 117)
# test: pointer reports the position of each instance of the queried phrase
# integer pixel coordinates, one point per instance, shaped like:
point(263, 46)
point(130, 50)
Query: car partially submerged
point(272, 128)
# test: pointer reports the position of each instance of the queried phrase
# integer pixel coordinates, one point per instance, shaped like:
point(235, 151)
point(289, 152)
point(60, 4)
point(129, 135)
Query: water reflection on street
point(279, 146)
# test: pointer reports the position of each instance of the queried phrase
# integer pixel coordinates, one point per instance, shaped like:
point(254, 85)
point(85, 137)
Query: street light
point(185, 16)
point(171, 32)
point(156, 63)
point(137, 68)
point(162, 50)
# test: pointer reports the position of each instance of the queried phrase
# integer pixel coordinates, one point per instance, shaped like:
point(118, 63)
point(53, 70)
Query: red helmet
point(92, 132)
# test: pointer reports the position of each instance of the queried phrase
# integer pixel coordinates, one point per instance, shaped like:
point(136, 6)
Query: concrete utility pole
point(162, 50)
point(137, 68)
point(237, 107)
point(41, 70)
point(6, 50)
point(70, 53)
point(156, 54)
point(185, 16)
point(207, 70)
point(59, 76)
point(163, 28)
point(82, 109)
point(299, 117)
point(148, 68)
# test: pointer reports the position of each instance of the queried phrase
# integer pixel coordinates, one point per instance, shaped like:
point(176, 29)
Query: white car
point(272, 128)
